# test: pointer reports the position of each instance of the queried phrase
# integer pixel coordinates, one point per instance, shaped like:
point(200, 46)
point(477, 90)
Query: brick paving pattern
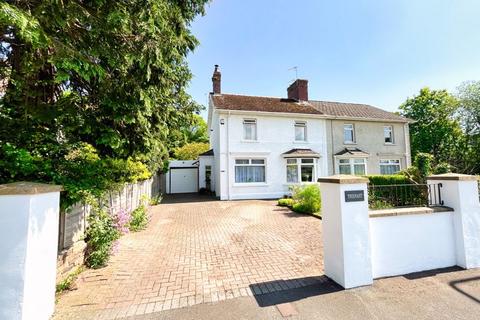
point(200, 252)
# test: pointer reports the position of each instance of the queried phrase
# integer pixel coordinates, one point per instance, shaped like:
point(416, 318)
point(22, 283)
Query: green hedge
point(380, 196)
point(388, 179)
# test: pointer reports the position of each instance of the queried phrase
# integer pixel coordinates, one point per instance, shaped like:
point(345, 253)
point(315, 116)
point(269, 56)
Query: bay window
point(355, 166)
point(389, 166)
point(249, 170)
point(300, 170)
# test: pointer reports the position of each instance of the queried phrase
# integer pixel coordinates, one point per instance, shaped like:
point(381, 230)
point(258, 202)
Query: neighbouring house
point(263, 145)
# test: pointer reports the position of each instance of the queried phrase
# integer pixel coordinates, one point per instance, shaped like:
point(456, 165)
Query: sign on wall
point(354, 195)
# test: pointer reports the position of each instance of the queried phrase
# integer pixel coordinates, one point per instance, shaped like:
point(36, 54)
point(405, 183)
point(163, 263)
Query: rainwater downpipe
point(228, 154)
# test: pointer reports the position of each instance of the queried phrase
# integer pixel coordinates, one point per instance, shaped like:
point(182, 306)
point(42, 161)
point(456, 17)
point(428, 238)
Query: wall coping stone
point(407, 211)
point(25, 187)
point(454, 177)
point(343, 179)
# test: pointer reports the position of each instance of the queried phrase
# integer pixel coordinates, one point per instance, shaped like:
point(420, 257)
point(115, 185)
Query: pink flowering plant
point(122, 220)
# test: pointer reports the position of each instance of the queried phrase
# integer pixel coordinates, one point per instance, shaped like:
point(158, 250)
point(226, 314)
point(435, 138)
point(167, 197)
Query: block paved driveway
point(200, 252)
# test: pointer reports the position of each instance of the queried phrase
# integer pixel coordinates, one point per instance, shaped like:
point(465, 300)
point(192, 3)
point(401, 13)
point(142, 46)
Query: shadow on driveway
point(295, 289)
point(187, 198)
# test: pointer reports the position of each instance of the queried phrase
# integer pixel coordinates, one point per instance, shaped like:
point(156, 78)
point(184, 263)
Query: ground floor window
point(300, 170)
point(249, 170)
point(356, 166)
point(389, 166)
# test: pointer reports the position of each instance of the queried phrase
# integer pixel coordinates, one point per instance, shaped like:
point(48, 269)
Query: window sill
point(349, 143)
point(249, 141)
point(301, 141)
point(251, 184)
point(390, 144)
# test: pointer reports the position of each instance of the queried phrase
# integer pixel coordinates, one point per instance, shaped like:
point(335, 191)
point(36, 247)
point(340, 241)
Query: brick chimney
point(217, 81)
point(298, 90)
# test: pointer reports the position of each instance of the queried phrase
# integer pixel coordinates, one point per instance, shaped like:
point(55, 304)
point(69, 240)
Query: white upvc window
point(300, 131)
point(388, 135)
point(250, 170)
point(389, 166)
point(301, 170)
point(348, 133)
point(355, 166)
point(250, 129)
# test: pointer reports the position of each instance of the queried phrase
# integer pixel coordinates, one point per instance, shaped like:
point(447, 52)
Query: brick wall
point(73, 221)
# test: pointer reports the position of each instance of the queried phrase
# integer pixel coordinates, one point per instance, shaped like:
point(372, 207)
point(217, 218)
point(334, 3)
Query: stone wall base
point(69, 259)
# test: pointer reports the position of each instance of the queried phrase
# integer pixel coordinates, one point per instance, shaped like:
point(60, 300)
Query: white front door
point(183, 180)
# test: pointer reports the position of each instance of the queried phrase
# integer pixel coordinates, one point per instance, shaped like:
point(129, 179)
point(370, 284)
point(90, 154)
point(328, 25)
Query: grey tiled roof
point(300, 152)
point(355, 110)
point(352, 152)
point(264, 104)
point(326, 108)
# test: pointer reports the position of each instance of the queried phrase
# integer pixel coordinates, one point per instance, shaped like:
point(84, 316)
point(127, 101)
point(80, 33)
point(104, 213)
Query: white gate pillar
point(460, 192)
point(28, 249)
point(346, 236)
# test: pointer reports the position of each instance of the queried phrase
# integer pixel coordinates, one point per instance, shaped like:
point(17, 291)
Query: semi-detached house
point(263, 145)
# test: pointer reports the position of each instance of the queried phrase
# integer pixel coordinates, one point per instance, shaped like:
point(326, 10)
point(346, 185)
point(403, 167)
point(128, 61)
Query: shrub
point(100, 236)
point(442, 167)
point(423, 161)
point(68, 282)
point(139, 219)
point(306, 199)
point(155, 200)
point(191, 151)
point(285, 202)
point(388, 179)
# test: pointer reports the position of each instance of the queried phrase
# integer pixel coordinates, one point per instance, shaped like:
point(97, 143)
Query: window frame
point(300, 124)
point(392, 136)
point(298, 165)
point(255, 126)
point(250, 164)
point(353, 133)
point(399, 163)
point(351, 163)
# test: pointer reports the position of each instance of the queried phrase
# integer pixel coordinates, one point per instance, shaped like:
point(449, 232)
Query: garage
point(182, 176)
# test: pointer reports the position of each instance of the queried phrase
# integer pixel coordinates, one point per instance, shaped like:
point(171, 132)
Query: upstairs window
point(249, 170)
point(250, 129)
point(300, 131)
point(348, 133)
point(388, 134)
point(389, 166)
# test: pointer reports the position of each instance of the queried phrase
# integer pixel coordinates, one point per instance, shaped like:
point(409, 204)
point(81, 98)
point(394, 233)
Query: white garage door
point(183, 180)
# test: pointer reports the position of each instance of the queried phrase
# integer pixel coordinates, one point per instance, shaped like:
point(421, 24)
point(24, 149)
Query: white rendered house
point(263, 145)
point(260, 153)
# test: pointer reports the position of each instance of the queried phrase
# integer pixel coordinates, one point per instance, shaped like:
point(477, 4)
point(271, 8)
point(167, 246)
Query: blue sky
point(377, 52)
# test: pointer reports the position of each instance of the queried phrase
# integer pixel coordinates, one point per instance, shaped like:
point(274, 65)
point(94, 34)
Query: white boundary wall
point(28, 238)
point(362, 245)
point(408, 243)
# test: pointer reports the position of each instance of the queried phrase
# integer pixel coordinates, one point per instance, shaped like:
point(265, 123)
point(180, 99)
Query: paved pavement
point(446, 295)
point(201, 253)
point(250, 260)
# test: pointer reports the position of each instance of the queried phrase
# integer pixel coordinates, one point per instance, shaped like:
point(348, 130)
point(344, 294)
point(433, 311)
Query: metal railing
point(404, 195)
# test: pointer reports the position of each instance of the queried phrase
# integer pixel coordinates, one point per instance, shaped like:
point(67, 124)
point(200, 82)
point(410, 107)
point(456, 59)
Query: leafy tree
point(195, 131)
point(111, 74)
point(435, 131)
point(191, 151)
point(468, 95)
